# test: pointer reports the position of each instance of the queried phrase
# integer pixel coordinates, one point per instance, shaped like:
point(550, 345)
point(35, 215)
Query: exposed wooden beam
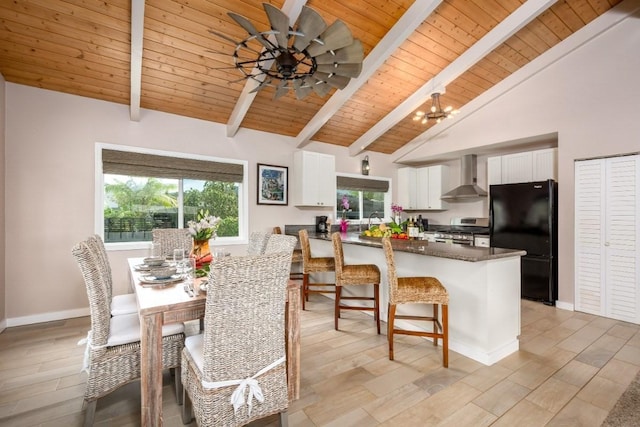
point(514, 22)
point(137, 30)
point(406, 25)
point(416, 150)
point(292, 9)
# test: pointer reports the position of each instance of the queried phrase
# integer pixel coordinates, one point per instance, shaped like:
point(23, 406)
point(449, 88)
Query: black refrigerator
point(525, 216)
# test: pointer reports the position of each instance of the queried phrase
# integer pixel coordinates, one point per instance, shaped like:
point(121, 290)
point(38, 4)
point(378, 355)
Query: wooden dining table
point(170, 304)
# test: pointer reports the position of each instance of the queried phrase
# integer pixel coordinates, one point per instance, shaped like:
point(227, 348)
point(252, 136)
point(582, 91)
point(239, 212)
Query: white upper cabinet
point(528, 166)
point(407, 188)
point(422, 188)
point(314, 179)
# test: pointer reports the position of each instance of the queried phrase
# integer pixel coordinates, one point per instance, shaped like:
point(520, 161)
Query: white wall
point(3, 316)
point(50, 143)
point(590, 97)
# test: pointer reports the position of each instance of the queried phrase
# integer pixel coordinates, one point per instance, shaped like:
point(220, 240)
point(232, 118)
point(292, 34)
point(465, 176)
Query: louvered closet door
point(608, 237)
point(589, 236)
point(622, 238)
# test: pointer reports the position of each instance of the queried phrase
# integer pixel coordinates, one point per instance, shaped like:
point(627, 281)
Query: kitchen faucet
point(377, 216)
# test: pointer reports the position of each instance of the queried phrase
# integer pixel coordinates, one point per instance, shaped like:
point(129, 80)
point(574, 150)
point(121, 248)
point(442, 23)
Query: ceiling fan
point(311, 57)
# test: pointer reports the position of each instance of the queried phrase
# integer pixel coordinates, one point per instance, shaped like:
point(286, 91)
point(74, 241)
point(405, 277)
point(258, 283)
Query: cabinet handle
point(606, 243)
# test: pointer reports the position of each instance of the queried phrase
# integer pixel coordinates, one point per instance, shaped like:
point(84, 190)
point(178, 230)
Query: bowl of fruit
point(392, 230)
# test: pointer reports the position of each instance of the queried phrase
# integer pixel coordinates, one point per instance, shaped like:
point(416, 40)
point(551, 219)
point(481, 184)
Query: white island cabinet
point(314, 179)
point(483, 286)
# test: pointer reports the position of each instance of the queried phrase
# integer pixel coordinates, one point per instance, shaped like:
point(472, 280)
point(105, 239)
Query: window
point(140, 191)
point(366, 196)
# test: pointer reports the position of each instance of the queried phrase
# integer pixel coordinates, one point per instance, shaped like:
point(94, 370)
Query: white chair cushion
point(123, 304)
point(125, 329)
point(194, 345)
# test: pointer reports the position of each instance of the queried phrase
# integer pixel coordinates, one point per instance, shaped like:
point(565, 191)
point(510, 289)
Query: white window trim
point(387, 197)
point(243, 208)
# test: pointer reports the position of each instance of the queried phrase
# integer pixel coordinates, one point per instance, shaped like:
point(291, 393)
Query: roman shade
point(361, 184)
point(152, 165)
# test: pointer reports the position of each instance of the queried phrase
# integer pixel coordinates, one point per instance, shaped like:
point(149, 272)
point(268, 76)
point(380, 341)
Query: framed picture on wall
point(273, 185)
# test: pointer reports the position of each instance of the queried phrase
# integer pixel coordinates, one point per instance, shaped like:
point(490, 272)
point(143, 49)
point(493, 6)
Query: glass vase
point(201, 252)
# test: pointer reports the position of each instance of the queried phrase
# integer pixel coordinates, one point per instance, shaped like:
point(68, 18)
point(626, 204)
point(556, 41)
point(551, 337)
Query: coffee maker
point(321, 224)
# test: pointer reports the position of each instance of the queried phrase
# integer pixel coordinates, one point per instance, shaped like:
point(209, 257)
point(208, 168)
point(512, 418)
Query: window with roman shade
point(365, 197)
point(147, 190)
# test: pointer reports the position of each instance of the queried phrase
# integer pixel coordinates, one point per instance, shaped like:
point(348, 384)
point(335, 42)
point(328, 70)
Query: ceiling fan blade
point(350, 54)
point(336, 36)
point(258, 88)
point(279, 22)
point(311, 25)
point(334, 80)
point(301, 88)
point(249, 28)
point(281, 90)
point(321, 89)
point(346, 70)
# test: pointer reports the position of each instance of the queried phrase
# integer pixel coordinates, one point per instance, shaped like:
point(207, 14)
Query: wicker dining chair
point(312, 264)
point(242, 346)
point(280, 243)
point(169, 239)
point(425, 290)
point(257, 242)
point(296, 259)
point(354, 275)
point(120, 304)
point(112, 357)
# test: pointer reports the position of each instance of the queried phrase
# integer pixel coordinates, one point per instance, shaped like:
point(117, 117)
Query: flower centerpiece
point(204, 228)
point(396, 211)
point(344, 222)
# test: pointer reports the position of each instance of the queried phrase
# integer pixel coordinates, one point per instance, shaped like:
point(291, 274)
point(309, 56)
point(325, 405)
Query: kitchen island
point(483, 286)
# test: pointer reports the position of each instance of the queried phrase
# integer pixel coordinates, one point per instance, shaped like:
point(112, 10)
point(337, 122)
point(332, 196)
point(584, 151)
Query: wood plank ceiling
point(83, 47)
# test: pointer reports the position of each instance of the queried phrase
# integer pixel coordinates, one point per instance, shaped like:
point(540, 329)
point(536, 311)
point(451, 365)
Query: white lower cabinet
point(422, 188)
point(607, 237)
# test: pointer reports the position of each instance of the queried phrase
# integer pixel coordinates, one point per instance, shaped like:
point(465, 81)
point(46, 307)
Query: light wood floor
point(570, 371)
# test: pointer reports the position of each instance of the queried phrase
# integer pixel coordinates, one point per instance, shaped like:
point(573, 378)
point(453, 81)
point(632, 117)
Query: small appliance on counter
point(321, 224)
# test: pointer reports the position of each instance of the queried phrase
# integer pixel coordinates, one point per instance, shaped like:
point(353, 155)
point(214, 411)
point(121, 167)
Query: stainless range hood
point(468, 191)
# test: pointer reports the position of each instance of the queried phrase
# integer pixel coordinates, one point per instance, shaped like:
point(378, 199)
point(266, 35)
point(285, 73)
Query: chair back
point(280, 243)
point(305, 246)
point(172, 238)
point(392, 275)
point(244, 321)
point(257, 242)
point(338, 254)
point(99, 301)
point(277, 230)
point(96, 245)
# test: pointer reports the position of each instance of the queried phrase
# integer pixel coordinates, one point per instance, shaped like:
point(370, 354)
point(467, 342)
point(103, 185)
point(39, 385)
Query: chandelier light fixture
point(309, 57)
point(435, 112)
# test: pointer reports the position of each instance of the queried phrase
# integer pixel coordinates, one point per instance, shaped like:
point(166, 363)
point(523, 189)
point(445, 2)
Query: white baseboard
point(564, 305)
point(47, 317)
point(3, 325)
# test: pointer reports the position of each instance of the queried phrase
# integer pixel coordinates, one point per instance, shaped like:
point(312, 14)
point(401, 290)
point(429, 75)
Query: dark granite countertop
point(423, 247)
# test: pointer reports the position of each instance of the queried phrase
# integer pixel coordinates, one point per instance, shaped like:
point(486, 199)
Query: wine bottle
point(412, 230)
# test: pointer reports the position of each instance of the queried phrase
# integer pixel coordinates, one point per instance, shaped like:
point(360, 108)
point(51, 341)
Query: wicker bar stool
point(313, 265)
point(296, 259)
point(425, 290)
point(355, 275)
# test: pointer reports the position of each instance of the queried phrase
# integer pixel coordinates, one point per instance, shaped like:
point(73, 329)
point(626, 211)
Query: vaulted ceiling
point(160, 55)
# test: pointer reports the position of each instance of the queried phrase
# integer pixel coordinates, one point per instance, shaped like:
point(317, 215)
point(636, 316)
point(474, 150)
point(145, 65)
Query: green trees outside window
point(133, 206)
